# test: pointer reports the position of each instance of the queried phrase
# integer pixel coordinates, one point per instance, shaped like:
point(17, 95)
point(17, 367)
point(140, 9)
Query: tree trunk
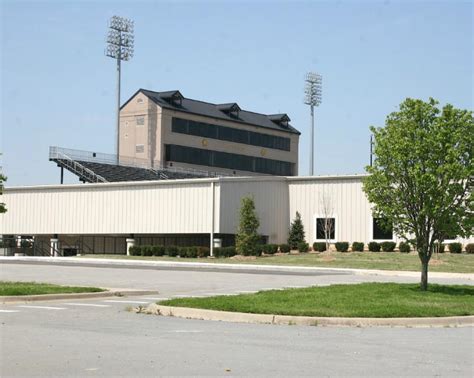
point(424, 275)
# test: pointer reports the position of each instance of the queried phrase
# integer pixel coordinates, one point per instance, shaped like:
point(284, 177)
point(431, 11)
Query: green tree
point(422, 177)
point(296, 234)
point(3, 209)
point(247, 237)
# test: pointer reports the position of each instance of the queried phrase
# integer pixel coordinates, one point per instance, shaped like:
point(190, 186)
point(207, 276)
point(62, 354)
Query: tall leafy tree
point(247, 236)
point(296, 234)
point(3, 208)
point(422, 177)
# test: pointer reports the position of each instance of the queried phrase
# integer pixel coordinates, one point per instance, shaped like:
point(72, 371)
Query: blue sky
point(57, 87)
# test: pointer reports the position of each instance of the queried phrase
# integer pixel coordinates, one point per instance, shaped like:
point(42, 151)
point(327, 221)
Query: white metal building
point(185, 212)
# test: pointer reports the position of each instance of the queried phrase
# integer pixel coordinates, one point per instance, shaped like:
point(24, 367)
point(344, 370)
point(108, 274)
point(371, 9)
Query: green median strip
point(35, 288)
point(368, 300)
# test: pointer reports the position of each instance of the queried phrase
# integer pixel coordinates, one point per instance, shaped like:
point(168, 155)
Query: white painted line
point(114, 301)
point(248, 291)
point(44, 307)
point(186, 331)
point(9, 310)
point(157, 299)
point(86, 304)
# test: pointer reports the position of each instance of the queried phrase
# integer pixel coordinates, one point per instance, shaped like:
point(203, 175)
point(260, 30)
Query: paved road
point(98, 337)
point(171, 282)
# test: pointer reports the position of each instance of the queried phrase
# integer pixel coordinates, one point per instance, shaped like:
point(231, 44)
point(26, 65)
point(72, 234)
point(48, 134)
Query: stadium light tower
point(313, 97)
point(120, 41)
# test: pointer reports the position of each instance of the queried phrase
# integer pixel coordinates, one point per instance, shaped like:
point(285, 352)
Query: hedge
point(404, 247)
point(285, 248)
point(470, 248)
point(342, 246)
point(455, 247)
point(270, 249)
point(319, 246)
point(388, 246)
point(303, 247)
point(357, 247)
point(374, 247)
point(224, 252)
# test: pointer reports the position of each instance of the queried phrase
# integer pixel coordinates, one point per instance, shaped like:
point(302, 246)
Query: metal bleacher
point(95, 167)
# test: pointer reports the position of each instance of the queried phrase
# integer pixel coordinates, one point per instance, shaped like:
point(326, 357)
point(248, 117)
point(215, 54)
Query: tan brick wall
point(156, 132)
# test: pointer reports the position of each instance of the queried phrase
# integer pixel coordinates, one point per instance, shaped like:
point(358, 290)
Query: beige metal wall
point(271, 202)
point(345, 200)
point(149, 208)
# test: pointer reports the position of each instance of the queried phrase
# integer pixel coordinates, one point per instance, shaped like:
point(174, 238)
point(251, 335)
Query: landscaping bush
point(285, 248)
point(147, 250)
point(388, 246)
point(171, 250)
point(203, 251)
point(224, 252)
point(190, 252)
point(455, 247)
point(470, 248)
point(342, 246)
point(303, 247)
point(135, 250)
point(404, 247)
point(270, 249)
point(442, 248)
point(374, 247)
point(158, 250)
point(357, 247)
point(319, 246)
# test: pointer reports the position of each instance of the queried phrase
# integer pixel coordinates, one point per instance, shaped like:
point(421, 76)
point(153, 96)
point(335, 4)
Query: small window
point(379, 232)
point(325, 226)
point(139, 100)
point(140, 121)
point(139, 148)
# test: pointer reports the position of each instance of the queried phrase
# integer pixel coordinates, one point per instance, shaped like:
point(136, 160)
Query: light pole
point(120, 41)
point(313, 97)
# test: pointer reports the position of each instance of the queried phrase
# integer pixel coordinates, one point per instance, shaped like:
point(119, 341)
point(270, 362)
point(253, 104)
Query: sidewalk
point(244, 268)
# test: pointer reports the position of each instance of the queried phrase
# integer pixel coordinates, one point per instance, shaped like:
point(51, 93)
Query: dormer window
point(280, 119)
point(174, 98)
point(231, 109)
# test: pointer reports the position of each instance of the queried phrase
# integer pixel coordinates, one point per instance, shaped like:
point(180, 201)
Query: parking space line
point(126, 301)
point(44, 307)
point(157, 299)
point(86, 304)
point(6, 311)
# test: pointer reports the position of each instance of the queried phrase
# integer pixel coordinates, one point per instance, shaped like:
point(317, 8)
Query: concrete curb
point(229, 267)
point(239, 317)
point(55, 297)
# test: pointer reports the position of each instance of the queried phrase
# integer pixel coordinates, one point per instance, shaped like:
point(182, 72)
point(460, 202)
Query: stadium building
point(183, 168)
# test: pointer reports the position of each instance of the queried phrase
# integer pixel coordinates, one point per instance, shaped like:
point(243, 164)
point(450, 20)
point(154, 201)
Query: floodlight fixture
point(120, 46)
point(312, 97)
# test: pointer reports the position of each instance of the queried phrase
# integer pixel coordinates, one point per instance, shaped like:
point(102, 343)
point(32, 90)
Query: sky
point(58, 87)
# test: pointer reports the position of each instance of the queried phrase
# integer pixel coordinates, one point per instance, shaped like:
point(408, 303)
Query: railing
point(97, 157)
point(56, 153)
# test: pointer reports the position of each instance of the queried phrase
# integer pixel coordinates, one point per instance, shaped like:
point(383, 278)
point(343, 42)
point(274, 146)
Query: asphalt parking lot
point(100, 337)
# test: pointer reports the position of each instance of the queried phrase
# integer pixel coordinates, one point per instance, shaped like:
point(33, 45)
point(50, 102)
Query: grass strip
point(446, 262)
point(34, 288)
point(371, 300)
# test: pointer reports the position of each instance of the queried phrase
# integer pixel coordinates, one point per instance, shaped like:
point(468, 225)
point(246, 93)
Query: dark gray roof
point(212, 110)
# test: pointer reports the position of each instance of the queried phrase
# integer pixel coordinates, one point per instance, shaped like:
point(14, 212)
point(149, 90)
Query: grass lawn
point(34, 288)
point(374, 300)
point(447, 262)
